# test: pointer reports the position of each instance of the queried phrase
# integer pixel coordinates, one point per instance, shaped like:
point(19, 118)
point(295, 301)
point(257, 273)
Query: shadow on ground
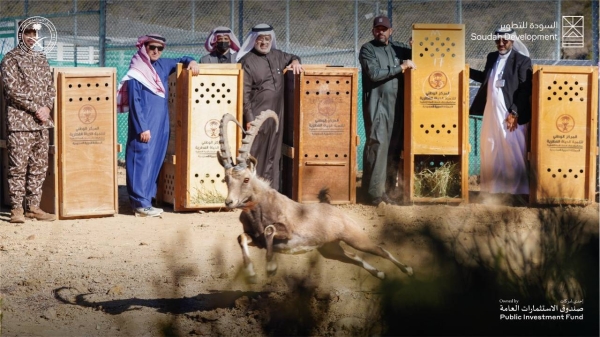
point(176, 306)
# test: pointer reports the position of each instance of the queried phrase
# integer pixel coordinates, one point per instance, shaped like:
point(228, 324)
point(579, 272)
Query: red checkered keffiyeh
point(141, 69)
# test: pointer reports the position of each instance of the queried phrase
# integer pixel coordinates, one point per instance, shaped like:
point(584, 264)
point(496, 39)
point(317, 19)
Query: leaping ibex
point(277, 223)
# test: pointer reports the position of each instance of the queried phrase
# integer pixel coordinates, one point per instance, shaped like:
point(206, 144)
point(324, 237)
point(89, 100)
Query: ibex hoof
point(381, 275)
point(271, 268)
point(409, 271)
point(251, 279)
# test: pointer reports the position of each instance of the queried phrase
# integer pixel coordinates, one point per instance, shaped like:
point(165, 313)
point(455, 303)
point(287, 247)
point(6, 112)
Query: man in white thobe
point(504, 100)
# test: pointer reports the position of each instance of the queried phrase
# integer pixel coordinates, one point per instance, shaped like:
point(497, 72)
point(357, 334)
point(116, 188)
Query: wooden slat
point(82, 71)
point(168, 179)
point(219, 71)
point(464, 133)
point(225, 67)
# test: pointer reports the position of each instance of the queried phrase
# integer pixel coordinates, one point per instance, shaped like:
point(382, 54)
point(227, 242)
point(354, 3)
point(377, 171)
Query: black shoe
point(384, 198)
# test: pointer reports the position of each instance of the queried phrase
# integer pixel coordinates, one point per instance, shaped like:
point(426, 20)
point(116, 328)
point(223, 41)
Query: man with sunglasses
point(143, 92)
point(504, 100)
point(383, 62)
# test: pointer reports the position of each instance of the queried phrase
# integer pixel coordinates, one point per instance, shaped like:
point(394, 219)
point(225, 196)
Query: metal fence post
point(241, 21)
point(390, 12)
point(75, 33)
point(193, 16)
point(232, 16)
point(287, 26)
point(102, 33)
point(356, 33)
point(559, 35)
point(595, 37)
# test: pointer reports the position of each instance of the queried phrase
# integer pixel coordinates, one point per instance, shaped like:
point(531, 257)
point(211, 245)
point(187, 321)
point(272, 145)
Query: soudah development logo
point(572, 32)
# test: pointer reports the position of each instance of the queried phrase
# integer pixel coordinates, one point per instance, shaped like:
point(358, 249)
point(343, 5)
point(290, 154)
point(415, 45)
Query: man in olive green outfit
point(383, 62)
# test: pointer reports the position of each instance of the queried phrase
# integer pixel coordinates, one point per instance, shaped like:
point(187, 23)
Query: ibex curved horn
point(250, 134)
point(226, 158)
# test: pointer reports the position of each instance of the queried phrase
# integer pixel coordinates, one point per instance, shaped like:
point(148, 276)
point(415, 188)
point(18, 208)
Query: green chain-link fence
point(323, 32)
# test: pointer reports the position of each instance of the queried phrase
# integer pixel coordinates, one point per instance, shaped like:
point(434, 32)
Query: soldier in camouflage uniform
point(29, 94)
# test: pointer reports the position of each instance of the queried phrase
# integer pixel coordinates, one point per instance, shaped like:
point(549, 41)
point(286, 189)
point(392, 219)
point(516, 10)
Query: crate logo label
point(87, 114)
point(565, 123)
point(438, 80)
point(212, 128)
point(565, 142)
point(326, 107)
point(45, 34)
point(437, 92)
point(89, 134)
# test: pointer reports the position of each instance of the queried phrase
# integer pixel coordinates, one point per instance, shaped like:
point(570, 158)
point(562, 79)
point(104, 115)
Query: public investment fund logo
point(45, 34)
point(572, 32)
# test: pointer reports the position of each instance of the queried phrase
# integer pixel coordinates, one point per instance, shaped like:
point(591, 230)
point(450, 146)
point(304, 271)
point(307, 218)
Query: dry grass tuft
point(438, 182)
point(205, 196)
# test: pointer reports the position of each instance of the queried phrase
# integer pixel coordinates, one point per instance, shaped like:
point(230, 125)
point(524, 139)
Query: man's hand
point(511, 122)
point(145, 136)
point(43, 113)
point(193, 66)
point(408, 64)
point(248, 126)
point(296, 67)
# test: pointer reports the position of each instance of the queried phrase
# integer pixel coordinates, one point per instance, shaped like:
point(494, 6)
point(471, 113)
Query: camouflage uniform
point(28, 86)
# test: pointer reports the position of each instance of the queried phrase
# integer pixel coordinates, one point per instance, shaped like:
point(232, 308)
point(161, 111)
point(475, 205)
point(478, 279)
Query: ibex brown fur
point(277, 223)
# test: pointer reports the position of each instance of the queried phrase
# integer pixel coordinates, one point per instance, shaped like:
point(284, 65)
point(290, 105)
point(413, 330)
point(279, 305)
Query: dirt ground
point(181, 274)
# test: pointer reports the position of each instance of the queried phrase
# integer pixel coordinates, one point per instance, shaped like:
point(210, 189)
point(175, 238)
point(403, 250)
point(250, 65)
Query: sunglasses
point(160, 48)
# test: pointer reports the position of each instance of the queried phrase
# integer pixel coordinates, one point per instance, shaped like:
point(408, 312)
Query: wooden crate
point(87, 142)
point(82, 165)
point(436, 111)
point(319, 139)
point(191, 177)
point(563, 134)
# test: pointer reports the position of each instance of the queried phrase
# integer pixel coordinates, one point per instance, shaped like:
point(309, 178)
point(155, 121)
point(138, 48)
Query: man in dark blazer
point(504, 101)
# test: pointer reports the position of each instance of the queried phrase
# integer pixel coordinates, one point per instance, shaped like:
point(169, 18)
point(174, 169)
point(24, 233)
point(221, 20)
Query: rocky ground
point(181, 274)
